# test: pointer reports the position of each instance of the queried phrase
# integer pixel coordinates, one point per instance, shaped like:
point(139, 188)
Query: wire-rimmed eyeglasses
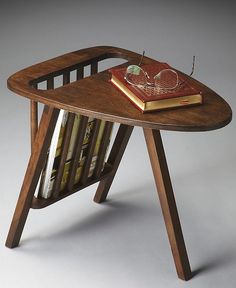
point(166, 79)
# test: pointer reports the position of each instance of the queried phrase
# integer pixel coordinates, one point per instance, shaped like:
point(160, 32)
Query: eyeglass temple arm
point(141, 60)
point(193, 66)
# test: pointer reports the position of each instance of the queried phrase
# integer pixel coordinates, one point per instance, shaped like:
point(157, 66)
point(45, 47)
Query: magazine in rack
point(50, 170)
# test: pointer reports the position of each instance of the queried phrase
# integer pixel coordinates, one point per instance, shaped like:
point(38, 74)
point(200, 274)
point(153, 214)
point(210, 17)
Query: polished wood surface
point(107, 102)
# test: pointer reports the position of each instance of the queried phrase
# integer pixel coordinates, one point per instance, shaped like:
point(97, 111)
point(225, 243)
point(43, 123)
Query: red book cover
point(149, 93)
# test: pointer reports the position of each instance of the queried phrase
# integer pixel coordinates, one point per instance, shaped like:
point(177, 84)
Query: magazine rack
point(95, 96)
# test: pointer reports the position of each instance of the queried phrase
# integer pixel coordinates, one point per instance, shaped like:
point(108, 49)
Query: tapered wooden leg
point(167, 200)
point(114, 159)
point(35, 166)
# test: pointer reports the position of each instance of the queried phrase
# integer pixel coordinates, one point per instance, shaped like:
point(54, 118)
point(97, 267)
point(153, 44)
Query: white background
point(123, 242)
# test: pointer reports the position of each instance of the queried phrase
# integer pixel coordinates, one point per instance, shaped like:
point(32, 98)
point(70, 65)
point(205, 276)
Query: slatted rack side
point(101, 170)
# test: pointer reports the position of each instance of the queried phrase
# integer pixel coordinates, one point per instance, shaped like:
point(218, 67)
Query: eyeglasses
point(166, 79)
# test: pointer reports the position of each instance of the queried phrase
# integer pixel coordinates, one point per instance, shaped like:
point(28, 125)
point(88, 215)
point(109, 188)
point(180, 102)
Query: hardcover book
point(149, 98)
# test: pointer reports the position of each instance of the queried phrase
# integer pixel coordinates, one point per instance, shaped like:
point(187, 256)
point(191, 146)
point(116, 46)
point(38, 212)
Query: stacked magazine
point(53, 159)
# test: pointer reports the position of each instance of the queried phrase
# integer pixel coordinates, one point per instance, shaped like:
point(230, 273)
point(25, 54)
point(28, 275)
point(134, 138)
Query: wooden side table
point(95, 96)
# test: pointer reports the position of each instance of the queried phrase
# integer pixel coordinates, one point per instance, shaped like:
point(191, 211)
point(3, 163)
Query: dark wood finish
point(114, 159)
point(80, 73)
point(94, 68)
point(39, 203)
point(35, 166)
point(77, 152)
point(167, 200)
point(96, 97)
point(64, 151)
point(66, 77)
point(33, 121)
point(102, 149)
point(80, 97)
point(50, 83)
point(90, 150)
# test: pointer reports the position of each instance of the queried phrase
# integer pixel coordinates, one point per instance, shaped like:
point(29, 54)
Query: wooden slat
point(94, 68)
point(80, 73)
point(66, 77)
point(89, 156)
point(115, 156)
point(39, 203)
point(50, 83)
point(64, 151)
point(103, 149)
point(33, 121)
point(77, 151)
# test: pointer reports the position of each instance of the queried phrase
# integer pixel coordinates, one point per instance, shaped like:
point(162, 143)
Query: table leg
point(35, 166)
point(167, 201)
point(114, 159)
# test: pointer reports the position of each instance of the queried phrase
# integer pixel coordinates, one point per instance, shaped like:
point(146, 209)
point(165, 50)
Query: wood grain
point(167, 200)
point(115, 156)
point(35, 166)
point(106, 102)
point(33, 121)
point(96, 97)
